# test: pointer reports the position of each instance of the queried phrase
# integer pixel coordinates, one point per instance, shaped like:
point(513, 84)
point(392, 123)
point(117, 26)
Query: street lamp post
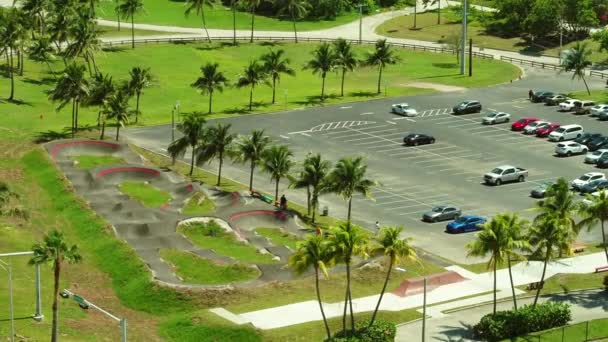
point(424, 311)
point(465, 7)
point(7, 267)
point(361, 5)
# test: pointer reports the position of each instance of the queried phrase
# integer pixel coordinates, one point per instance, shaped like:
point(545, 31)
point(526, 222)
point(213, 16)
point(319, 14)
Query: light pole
point(37, 316)
point(361, 5)
point(173, 111)
point(424, 311)
point(7, 267)
point(465, 7)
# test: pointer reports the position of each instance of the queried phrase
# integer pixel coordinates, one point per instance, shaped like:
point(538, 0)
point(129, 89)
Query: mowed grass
point(171, 13)
point(203, 325)
point(194, 269)
point(278, 237)
point(87, 162)
point(223, 243)
point(33, 113)
point(580, 332)
point(199, 204)
point(146, 194)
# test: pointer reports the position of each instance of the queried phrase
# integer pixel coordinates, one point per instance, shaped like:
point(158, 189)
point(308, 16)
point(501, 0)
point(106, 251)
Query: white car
point(403, 109)
point(588, 201)
point(570, 148)
point(567, 132)
point(495, 117)
point(586, 179)
point(597, 109)
point(569, 105)
point(593, 157)
point(532, 126)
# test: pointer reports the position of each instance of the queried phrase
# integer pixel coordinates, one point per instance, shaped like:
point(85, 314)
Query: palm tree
point(250, 149)
point(199, 7)
point(313, 177)
point(35, 9)
point(61, 21)
point(254, 74)
point(381, 57)
point(211, 81)
point(233, 4)
point(42, 51)
point(577, 60)
point(102, 87)
point(56, 251)
point(12, 33)
point(395, 249)
point(71, 86)
point(128, 9)
point(216, 143)
point(84, 43)
point(296, 9)
point(275, 65)
point(561, 203)
point(277, 162)
point(312, 252)
point(344, 58)
point(347, 241)
point(516, 242)
point(348, 178)
point(6, 193)
point(321, 63)
point(140, 79)
point(117, 108)
point(191, 127)
point(252, 4)
point(596, 211)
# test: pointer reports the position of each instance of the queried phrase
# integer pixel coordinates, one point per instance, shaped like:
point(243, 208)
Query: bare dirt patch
point(435, 86)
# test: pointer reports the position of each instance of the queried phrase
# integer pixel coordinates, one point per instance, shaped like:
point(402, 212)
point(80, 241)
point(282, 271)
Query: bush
point(381, 331)
point(528, 319)
point(606, 282)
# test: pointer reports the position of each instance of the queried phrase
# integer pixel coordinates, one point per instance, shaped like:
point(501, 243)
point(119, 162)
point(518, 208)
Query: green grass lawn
point(87, 162)
point(33, 113)
point(564, 283)
point(194, 269)
point(223, 243)
point(146, 194)
point(278, 237)
point(580, 332)
point(171, 13)
point(203, 325)
point(199, 204)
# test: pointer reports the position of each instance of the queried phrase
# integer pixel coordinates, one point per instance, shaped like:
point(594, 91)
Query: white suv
point(586, 179)
point(597, 109)
point(593, 157)
point(570, 148)
point(403, 109)
point(567, 132)
point(569, 105)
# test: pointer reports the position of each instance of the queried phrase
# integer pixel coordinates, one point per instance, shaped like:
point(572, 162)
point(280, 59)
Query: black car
point(467, 107)
point(597, 143)
point(594, 186)
point(416, 139)
point(555, 99)
point(540, 96)
point(602, 162)
point(586, 138)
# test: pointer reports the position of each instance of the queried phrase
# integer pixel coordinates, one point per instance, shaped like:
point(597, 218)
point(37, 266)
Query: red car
point(521, 123)
point(546, 129)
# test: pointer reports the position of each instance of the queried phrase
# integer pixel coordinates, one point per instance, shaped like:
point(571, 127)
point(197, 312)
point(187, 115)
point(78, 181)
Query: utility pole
point(424, 311)
point(465, 7)
point(361, 5)
point(7, 267)
point(470, 57)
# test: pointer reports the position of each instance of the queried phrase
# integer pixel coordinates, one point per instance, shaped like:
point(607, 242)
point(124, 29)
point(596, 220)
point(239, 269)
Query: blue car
point(466, 223)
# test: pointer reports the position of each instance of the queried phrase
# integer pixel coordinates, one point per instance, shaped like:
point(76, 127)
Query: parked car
point(541, 95)
point(567, 132)
point(568, 105)
point(555, 99)
point(441, 213)
point(598, 108)
point(594, 186)
point(505, 173)
point(603, 116)
point(521, 123)
point(545, 130)
point(570, 148)
point(415, 139)
point(593, 157)
point(597, 143)
point(584, 107)
point(495, 118)
point(467, 107)
point(602, 162)
point(586, 137)
point(588, 201)
point(403, 109)
point(532, 126)
point(586, 179)
point(541, 190)
point(466, 223)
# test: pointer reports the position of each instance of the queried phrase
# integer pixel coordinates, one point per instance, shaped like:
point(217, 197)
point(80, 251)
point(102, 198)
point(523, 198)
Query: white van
point(567, 132)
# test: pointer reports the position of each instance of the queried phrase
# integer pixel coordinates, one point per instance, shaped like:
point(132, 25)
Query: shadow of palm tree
point(456, 333)
point(589, 300)
point(44, 137)
point(20, 102)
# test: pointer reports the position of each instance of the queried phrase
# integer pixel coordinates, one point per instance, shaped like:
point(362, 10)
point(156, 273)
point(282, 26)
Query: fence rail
point(531, 63)
point(599, 74)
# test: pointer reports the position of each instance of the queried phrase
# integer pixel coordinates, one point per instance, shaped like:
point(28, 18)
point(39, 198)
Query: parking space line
point(407, 206)
point(347, 131)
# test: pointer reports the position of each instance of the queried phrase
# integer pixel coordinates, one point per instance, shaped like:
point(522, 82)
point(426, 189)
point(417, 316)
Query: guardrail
point(598, 74)
point(531, 63)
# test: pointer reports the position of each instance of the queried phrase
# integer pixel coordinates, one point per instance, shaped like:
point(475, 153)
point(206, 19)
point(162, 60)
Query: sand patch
point(436, 86)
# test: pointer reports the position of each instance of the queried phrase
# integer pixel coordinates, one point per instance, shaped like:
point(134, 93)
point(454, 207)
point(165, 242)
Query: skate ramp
point(414, 286)
point(62, 149)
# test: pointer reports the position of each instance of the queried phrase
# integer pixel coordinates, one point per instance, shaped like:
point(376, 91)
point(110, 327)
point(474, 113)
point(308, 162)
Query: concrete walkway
point(477, 284)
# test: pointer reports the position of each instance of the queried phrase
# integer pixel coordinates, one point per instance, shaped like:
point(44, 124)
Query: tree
point(12, 33)
point(191, 127)
point(454, 41)
point(211, 81)
point(431, 3)
point(277, 162)
point(252, 4)
point(62, 19)
point(56, 251)
point(559, 202)
point(313, 177)
point(127, 10)
point(233, 4)
point(395, 249)
point(250, 149)
point(35, 9)
point(216, 144)
point(344, 59)
point(296, 10)
point(381, 57)
point(601, 37)
point(73, 87)
point(140, 79)
point(349, 178)
point(321, 63)
point(313, 252)
point(199, 7)
point(254, 74)
point(579, 16)
point(347, 241)
point(117, 108)
point(275, 65)
point(544, 18)
point(595, 211)
point(577, 60)
point(42, 51)
point(102, 87)
point(516, 243)
point(85, 42)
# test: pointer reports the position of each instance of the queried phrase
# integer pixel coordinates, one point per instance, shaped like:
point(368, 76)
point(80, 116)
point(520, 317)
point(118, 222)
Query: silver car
point(534, 125)
point(569, 148)
point(442, 213)
point(495, 118)
point(593, 157)
point(597, 109)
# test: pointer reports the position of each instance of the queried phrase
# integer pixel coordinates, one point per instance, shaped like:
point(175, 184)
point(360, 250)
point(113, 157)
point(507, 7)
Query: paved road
point(455, 326)
point(416, 178)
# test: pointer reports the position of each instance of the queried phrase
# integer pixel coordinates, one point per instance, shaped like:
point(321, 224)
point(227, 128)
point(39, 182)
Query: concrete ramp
point(414, 286)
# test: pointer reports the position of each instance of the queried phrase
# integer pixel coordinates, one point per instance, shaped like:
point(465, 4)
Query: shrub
point(507, 324)
point(381, 331)
point(606, 282)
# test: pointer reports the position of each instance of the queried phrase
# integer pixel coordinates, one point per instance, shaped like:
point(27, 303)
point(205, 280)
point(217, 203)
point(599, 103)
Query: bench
point(601, 269)
point(535, 286)
point(266, 198)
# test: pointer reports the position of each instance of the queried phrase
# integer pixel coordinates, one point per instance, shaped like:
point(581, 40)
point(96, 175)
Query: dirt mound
point(414, 286)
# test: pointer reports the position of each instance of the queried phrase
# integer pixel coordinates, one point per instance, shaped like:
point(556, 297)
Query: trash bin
point(325, 211)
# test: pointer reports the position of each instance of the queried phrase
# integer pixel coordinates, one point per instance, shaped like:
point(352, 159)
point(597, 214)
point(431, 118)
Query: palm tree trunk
point(379, 78)
point(19, 61)
point(295, 31)
point(604, 240)
point(323, 87)
point(350, 304)
point(73, 118)
point(252, 22)
point(308, 199)
point(494, 307)
point(205, 23)
point(252, 167)
point(132, 32)
point(86, 59)
point(342, 84)
point(192, 161)
point(276, 190)
point(512, 286)
point(439, 12)
point(137, 106)
point(314, 206)
point(415, 12)
point(388, 274)
point(56, 274)
point(274, 87)
point(76, 115)
point(350, 202)
point(210, 99)
point(542, 278)
point(234, 22)
point(11, 74)
point(321, 304)
point(251, 98)
point(219, 171)
point(50, 69)
point(345, 300)
point(20, 55)
point(117, 14)
point(103, 129)
point(586, 86)
point(117, 129)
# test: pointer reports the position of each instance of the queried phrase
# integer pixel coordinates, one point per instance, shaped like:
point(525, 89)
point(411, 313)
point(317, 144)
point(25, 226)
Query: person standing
point(530, 94)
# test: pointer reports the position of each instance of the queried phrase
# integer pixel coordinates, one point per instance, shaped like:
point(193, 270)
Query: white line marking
point(391, 122)
point(401, 118)
point(284, 137)
point(520, 107)
point(346, 107)
point(367, 113)
point(306, 134)
point(411, 120)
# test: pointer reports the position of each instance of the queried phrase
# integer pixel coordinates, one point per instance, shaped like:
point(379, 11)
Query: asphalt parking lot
point(414, 179)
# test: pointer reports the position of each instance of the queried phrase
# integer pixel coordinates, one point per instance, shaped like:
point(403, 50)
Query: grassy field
point(171, 13)
point(580, 332)
point(196, 270)
point(146, 194)
point(87, 162)
point(199, 204)
point(278, 237)
point(32, 111)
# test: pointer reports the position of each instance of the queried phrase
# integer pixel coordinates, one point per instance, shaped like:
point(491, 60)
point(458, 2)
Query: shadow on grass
point(19, 102)
point(271, 44)
point(316, 100)
point(122, 48)
point(213, 46)
point(42, 81)
point(245, 109)
point(44, 137)
point(440, 76)
point(445, 65)
point(363, 93)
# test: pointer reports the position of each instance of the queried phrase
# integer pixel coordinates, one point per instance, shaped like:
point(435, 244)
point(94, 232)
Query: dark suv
point(597, 143)
point(540, 96)
point(587, 137)
point(467, 107)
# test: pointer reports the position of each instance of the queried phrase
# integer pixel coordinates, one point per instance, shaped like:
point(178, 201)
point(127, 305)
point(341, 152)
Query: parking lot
point(415, 178)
